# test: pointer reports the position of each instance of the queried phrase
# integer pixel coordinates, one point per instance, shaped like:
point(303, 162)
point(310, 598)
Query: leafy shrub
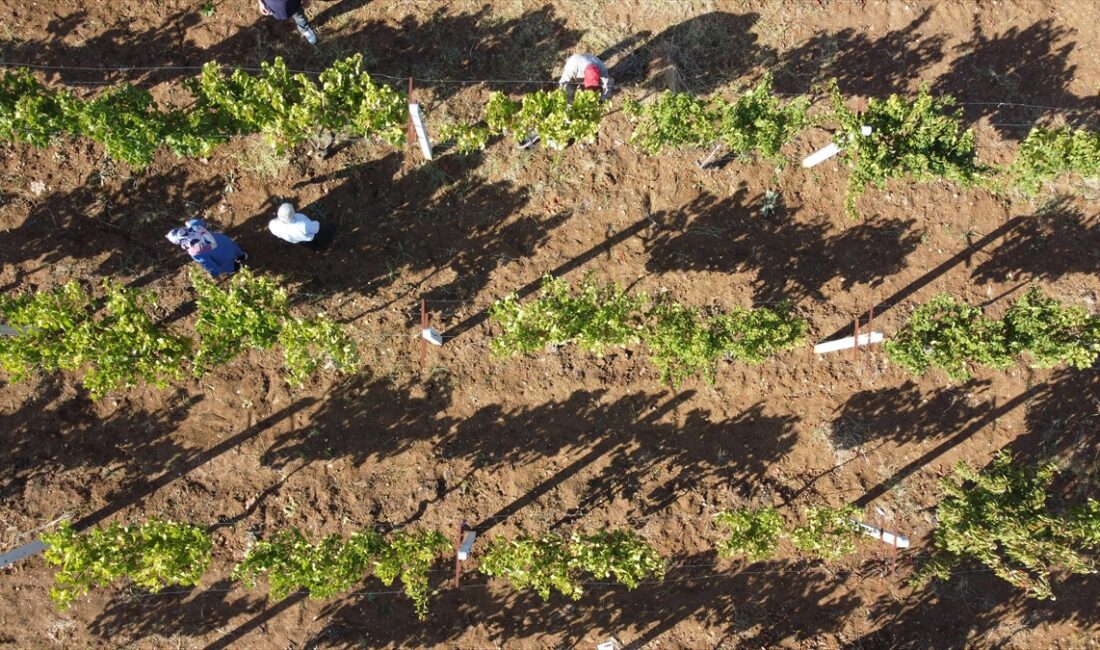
point(542, 564)
point(951, 336)
point(291, 563)
point(290, 108)
point(682, 343)
point(753, 533)
point(125, 347)
point(1046, 154)
point(334, 566)
point(621, 554)
point(410, 556)
point(758, 121)
point(153, 554)
point(307, 343)
point(548, 114)
point(595, 317)
point(30, 112)
point(1051, 333)
point(552, 562)
point(999, 517)
point(46, 321)
point(467, 137)
point(945, 334)
point(829, 533)
point(920, 138)
point(248, 313)
point(125, 120)
point(674, 120)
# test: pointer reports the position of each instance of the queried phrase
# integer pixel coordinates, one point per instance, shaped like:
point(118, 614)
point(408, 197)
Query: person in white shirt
point(293, 227)
point(588, 71)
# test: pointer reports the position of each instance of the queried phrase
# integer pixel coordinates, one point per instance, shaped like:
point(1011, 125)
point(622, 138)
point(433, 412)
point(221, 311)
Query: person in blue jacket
point(215, 251)
point(290, 10)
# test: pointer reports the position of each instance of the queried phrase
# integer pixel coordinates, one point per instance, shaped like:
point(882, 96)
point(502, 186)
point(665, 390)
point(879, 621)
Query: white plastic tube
point(848, 342)
point(421, 130)
point(885, 536)
point(821, 155)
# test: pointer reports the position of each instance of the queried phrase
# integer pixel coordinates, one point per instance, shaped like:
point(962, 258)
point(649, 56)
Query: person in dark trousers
point(215, 251)
point(290, 9)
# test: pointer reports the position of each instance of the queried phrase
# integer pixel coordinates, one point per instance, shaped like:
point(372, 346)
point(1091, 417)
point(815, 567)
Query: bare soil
point(558, 440)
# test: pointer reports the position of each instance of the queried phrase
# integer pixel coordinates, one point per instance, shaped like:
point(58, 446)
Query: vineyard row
point(921, 138)
point(997, 516)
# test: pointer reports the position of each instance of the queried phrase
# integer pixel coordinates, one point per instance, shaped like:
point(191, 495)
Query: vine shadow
point(433, 221)
point(708, 595)
point(127, 224)
point(1018, 66)
point(445, 45)
point(698, 55)
point(862, 65)
point(171, 614)
point(791, 259)
point(51, 434)
point(1056, 241)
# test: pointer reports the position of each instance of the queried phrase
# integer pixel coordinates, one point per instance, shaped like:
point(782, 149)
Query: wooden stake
point(871, 320)
point(423, 326)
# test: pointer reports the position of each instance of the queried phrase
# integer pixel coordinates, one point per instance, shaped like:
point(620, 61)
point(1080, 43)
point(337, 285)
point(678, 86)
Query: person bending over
point(215, 251)
point(587, 71)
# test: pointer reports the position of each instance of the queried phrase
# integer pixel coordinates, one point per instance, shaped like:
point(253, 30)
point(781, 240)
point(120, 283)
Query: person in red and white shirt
point(586, 71)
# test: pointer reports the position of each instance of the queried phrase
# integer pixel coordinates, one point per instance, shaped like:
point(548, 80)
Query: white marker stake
point(848, 342)
point(467, 544)
point(900, 541)
point(821, 155)
point(421, 130)
point(431, 336)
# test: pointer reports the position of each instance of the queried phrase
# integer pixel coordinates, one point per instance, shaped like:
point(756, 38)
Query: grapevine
point(921, 138)
point(153, 554)
point(999, 517)
point(1046, 154)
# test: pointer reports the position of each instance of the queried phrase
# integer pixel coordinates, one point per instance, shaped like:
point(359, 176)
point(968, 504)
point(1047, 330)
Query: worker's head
point(286, 212)
point(592, 77)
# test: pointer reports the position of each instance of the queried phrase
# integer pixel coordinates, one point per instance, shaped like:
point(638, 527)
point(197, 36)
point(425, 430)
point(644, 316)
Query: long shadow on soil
point(128, 224)
point(1056, 241)
point(786, 605)
point(50, 434)
point(1024, 66)
point(431, 220)
point(698, 55)
point(170, 613)
point(791, 259)
point(863, 65)
point(616, 446)
point(444, 45)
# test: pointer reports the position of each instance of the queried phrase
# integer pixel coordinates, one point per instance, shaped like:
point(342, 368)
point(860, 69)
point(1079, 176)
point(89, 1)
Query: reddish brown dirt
point(563, 439)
